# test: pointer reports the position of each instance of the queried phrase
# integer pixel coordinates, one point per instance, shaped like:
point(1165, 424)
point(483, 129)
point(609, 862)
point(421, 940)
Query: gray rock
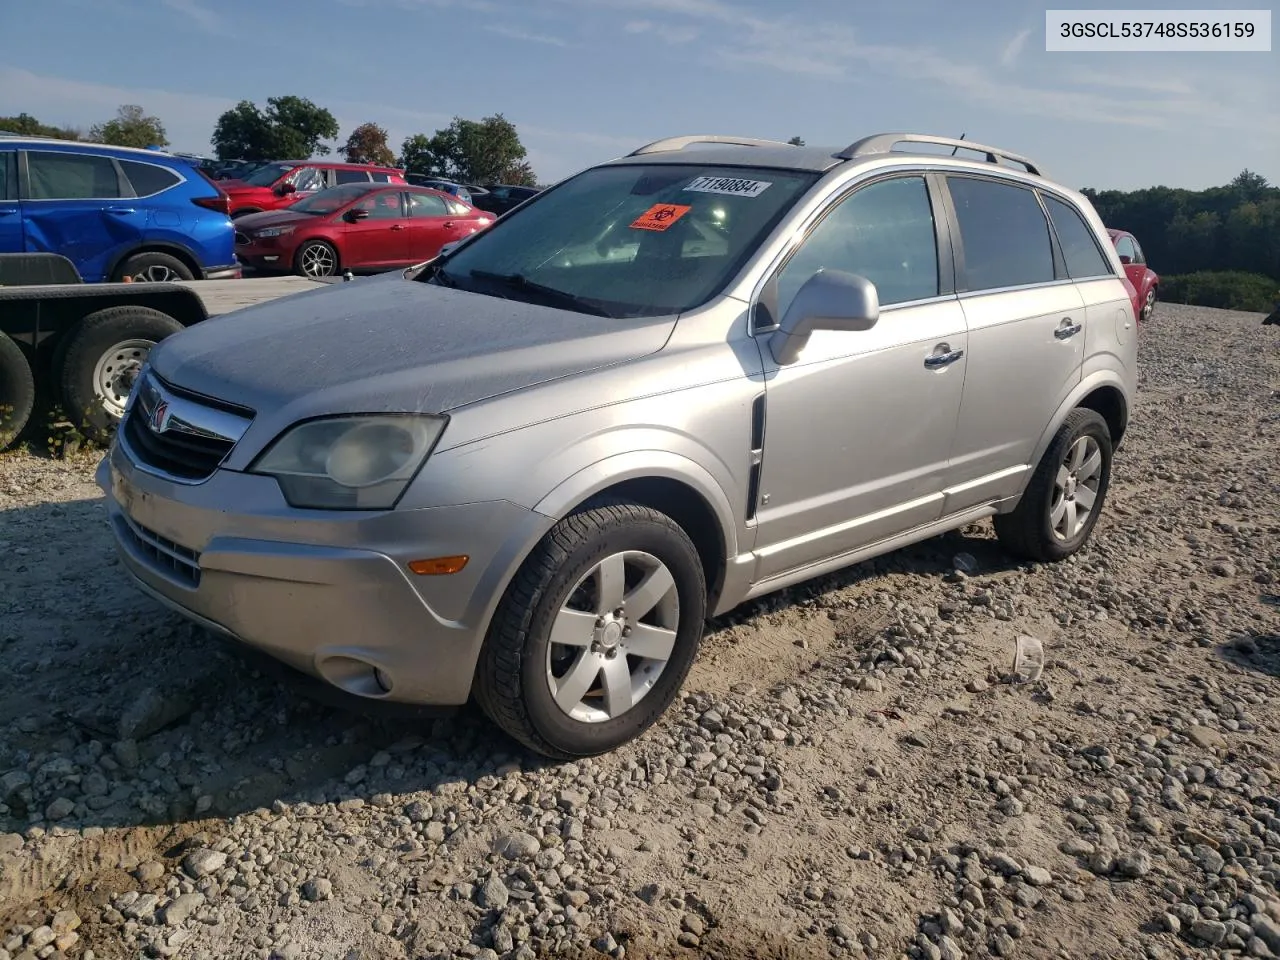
point(153, 710)
point(59, 809)
point(493, 893)
point(64, 921)
point(182, 908)
point(201, 863)
point(1132, 865)
point(1266, 930)
point(1209, 931)
point(317, 890)
point(518, 846)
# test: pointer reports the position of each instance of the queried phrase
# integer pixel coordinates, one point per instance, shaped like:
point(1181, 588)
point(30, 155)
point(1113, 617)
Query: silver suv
point(531, 469)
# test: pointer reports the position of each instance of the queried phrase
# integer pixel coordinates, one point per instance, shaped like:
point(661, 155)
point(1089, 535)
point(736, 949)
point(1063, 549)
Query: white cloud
point(515, 33)
point(669, 33)
point(1009, 55)
point(204, 18)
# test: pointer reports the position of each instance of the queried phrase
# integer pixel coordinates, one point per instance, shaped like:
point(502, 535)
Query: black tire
point(88, 342)
point(1027, 531)
point(328, 248)
point(1149, 305)
point(17, 391)
point(151, 267)
point(511, 678)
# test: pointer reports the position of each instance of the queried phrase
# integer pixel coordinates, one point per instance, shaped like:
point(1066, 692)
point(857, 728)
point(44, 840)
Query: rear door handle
point(121, 210)
point(1066, 330)
point(945, 358)
point(397, 226)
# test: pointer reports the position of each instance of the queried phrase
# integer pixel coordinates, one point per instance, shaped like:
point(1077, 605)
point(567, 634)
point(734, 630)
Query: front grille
point(169, 557)
point(181, 435)
point(184, 455)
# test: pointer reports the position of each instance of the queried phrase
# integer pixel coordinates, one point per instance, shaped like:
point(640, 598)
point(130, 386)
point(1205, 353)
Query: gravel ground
point(849, 774)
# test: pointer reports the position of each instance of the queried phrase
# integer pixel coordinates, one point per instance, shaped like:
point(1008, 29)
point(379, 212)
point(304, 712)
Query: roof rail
point(679, 143)
point(882, 143)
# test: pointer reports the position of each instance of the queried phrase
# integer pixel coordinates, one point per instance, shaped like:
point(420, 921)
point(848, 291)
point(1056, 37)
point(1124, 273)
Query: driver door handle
point(944, 358)
point(397, 226)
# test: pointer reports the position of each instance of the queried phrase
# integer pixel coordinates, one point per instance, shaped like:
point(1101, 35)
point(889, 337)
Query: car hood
point(272, 218)
point(388, 343)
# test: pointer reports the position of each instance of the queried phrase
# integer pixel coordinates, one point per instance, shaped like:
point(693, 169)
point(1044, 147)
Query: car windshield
point(328, 201)
point(627, 240)
point(266, 176)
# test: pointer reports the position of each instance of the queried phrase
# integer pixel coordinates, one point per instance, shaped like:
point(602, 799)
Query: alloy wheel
point(1075, 490)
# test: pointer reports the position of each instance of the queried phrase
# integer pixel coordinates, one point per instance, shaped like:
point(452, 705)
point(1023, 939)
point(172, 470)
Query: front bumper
point(233, 272)
point(327, 593)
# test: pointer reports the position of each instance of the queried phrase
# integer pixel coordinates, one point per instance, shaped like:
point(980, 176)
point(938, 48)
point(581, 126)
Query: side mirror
point(351, 216)
point(828, 300)
point(285, 189)
point(1125, 259)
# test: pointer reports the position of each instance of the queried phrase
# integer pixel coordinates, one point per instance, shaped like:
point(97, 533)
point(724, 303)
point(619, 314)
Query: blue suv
point(114, 212)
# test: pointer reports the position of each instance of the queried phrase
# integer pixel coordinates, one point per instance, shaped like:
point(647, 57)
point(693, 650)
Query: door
point(858, 431)
point(1026, 323)
point(379, 239)
point(78, 205)
point(432, 225)
point(11, 233)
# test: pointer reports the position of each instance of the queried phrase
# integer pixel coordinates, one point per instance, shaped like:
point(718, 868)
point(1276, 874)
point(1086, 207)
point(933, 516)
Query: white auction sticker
point(730, 186)
point(1168, 31)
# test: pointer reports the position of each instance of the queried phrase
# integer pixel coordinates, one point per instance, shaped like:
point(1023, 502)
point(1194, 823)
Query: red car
point(276, 185)
point(1146, 282)
point(357, 227)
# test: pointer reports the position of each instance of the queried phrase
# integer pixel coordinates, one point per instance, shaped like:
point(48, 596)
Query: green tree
point(368, 144)
point(470, 151)
point(796, 142)
point(1249, 186)
point(28, 126)
point(131, 127)
point(291, 128)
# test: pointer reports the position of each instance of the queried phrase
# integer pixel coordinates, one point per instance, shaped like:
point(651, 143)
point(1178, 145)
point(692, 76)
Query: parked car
point(499, 198)
point(358, 227)
point(534, 481)
point(279, 184)
point(445, 186)
point(1146, 282)
point(114, 212)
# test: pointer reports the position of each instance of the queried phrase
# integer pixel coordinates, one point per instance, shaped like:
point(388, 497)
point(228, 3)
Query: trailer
point(80, 346)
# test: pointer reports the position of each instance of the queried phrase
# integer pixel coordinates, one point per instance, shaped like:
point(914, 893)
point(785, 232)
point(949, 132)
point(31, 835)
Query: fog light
point(383, 680)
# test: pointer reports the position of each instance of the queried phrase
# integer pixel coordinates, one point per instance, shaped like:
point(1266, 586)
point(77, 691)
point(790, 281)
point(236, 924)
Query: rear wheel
point(1149, 305)
point(104, 354)
point(596, 634)
point(153, 268)
point(1062, 502)
point(315, 258)
point(17, 391)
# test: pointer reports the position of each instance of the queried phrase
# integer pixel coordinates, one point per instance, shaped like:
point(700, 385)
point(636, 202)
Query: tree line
point(295, 128)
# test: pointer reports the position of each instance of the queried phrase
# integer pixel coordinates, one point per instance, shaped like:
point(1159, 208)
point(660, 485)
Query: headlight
point(350, 462)
point(273, 232)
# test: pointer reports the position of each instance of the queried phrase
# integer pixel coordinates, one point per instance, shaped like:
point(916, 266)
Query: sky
point(588, 80)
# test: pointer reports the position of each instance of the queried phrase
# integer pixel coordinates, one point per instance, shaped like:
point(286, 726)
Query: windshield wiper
point(518, 281)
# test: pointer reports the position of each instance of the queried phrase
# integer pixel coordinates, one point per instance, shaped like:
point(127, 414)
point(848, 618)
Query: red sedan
point(358, 227)
point(1146, 282)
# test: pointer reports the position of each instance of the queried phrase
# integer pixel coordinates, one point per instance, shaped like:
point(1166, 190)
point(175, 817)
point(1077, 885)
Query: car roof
point(815, 159)
point(338, 164)
point(27, 140)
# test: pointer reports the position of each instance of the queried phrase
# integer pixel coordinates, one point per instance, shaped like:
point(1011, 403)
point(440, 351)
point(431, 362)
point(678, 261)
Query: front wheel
point(596, 634)
point(315, 259)
point(1061, 504)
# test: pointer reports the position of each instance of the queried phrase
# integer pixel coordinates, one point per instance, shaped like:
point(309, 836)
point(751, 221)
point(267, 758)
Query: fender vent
point(757, 455)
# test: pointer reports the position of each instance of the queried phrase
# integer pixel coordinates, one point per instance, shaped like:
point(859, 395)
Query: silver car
point(530, 470)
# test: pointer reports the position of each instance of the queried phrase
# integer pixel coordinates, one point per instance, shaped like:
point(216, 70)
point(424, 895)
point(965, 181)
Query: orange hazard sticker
point(659, 217)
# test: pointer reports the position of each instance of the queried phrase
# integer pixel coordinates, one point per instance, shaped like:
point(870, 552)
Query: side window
point(147, 179)
point(1004, 233)
point(382, 206)
point(884, 232)
point(378, 177)
point(1079, 248)
point(1137, 253)
point(456, 208)
point(1124, 247)
point(427, 205)
point(8, 180)
point(71, 176)
point(308, 179)
point(352, 176)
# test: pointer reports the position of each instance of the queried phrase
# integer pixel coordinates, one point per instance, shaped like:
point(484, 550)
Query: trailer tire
point(104, 352)
point(17, 391)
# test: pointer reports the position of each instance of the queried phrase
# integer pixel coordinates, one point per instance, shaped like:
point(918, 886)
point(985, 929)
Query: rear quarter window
point(1079, 248)
point(148, 179)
